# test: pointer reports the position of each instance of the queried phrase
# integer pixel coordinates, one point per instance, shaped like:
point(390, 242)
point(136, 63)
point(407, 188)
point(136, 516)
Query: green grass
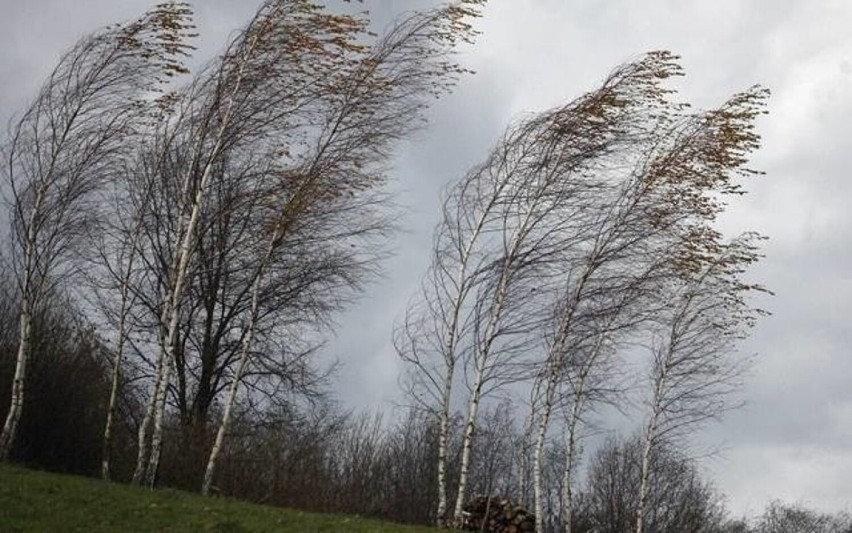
point(39, 501)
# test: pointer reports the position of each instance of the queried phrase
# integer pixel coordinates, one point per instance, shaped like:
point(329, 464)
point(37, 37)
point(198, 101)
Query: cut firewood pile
point(497, 516)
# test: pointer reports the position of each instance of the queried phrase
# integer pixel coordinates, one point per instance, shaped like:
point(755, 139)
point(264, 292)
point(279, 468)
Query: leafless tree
point(679, 499)
point(72, 138)
point(780, 517)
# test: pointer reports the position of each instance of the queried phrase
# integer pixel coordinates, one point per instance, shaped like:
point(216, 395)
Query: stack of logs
point(496, 516)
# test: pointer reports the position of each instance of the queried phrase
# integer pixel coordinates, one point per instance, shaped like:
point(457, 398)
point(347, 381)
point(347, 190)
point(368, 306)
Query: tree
point(694, 370)
point(381, 101)
point(779, 517)
point(604, 276)
point(705, 308)
point(659, 219)
point(291, 125)
point(502, 238)
point(72, 138)
point(679, 500)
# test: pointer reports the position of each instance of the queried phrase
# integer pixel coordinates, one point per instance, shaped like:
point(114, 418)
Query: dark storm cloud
point(793, 440)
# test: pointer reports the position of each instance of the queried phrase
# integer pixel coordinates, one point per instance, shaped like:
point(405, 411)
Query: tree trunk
point(647, 446)
point(28, 304)
point(579, 399)
point(113, 398)
point(541, 434)
point(245, 356)
point(142, 436)
point(10, 427)
point(482, 357)
point(643, 480)
point(570, 449)
point(443, 442)
point(159, 404)
point(470, 426)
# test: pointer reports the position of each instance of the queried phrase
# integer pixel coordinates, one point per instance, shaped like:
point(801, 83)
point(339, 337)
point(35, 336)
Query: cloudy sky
point(793, 440)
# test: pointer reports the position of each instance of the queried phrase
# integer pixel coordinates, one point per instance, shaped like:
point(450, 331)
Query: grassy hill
point(39, 501)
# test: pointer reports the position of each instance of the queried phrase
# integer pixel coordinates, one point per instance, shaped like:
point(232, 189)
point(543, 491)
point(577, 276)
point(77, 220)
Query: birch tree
point(439, 321)
point(659, 219)
point(115, 243)
point(502, 238)
point(604, 275)
point(711, 151)
point(695, 370)
point(262, 88)
point(68, 141)
point(293, 82)
point(381, 102)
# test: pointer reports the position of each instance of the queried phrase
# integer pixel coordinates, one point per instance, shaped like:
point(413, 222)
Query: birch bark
point(28, 299)
point(245, 356)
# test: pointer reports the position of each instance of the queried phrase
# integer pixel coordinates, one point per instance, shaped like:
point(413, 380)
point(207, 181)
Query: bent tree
point(689, 164)
point(695, 369)
point(299, 101)
point(95, 105)
point(380, 99)
point(504, 237)
point(560, 248)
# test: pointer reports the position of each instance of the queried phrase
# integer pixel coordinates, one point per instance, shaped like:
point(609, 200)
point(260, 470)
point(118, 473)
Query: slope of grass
point(39, 501)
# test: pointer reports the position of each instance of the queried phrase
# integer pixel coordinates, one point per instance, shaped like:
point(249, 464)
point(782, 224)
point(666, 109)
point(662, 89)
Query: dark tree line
point(320, 458)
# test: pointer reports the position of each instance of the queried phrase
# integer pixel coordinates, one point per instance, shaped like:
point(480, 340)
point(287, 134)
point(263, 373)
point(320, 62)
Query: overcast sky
point(793, 440)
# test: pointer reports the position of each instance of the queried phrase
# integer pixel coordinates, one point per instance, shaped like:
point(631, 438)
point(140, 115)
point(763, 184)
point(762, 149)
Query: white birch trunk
point(482, 359)
point(473, 408)
point(450, 359)
point(10, 427)
point(245, 356)
point(554, 369)
point(579, 400)
point(443, 441)
point(544, 422)
point(524, 457)
point(647, 447)
point(179, 275)
point(644, 475)
point(28, 301)
point(142, 436)
point(159, 403)
point(470, 426)
point(171, 311)
point(541, 434)
point(113, 392)
point(570, 453)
